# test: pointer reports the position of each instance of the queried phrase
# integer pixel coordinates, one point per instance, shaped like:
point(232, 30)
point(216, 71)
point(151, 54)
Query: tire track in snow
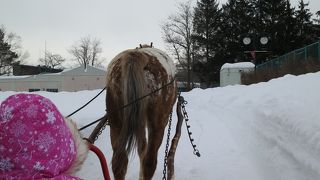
point(240, 129)
point(290, 145)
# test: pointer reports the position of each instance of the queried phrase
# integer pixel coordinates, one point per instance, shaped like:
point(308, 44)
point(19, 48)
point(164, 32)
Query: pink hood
point(35, 140)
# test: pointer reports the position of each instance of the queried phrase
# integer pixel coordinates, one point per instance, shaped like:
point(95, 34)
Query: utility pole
point(45, 51)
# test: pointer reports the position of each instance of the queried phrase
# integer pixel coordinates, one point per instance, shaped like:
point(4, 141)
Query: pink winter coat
point(36, 142)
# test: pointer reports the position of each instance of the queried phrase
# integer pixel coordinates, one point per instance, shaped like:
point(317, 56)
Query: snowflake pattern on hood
point(35, 142)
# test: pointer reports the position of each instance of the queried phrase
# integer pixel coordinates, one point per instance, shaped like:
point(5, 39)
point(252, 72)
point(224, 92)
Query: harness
point(181, 112)
point(124, 106)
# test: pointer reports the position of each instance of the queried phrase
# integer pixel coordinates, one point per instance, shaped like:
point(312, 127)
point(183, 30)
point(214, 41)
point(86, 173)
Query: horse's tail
point(133, 121)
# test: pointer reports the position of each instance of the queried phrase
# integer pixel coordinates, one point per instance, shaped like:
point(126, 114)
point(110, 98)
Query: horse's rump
point(131, 75)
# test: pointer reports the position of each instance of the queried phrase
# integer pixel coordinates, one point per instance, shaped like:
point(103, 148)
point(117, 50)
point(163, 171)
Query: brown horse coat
point(133, 74)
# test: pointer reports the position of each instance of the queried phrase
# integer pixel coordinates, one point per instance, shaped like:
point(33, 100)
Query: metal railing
point(310, 52)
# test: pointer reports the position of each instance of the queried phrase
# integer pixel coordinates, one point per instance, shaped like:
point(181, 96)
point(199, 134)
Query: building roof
point(81, 70)
point(242, 65)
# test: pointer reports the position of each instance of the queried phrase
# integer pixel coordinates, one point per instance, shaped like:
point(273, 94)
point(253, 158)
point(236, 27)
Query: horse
point(141, 91)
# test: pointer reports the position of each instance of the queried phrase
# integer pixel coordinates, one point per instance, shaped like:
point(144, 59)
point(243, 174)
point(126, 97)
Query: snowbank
point(258, 132)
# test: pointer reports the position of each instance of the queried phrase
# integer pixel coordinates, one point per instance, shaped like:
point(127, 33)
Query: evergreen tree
point(7, 56)
point(288, 36)
point(316, 26)
point(271, 14)
point(207, 20)
point(235, 28)
point(317, 19)
point(304, 24)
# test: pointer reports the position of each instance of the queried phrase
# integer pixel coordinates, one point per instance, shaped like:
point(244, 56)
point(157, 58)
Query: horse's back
point(153, 60)
point(165, 61)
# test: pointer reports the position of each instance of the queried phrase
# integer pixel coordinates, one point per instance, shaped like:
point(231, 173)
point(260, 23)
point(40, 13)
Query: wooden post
point(95, 132)
point(174, 142)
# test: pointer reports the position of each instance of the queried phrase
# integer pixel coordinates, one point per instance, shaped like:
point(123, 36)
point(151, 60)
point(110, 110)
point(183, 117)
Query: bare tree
point(7, 55)
point(15, 41)
point(52, 60)
point(87, 51)
point(10, 51)
point(177, 33)
point(95, 51)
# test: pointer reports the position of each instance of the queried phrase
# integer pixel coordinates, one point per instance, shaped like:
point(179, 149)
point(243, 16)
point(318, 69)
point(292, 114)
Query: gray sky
point(119, 24)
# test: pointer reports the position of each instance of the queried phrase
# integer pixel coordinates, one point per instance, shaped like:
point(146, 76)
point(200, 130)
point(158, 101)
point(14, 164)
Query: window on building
point(32, 90)
point(52, 90)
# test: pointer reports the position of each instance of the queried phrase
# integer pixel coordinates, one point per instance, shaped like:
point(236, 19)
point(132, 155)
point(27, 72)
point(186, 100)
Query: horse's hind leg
point(120, 159)
point(142, 147)
point(155, 136)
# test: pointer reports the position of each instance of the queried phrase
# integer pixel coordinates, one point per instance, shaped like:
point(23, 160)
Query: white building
point(76, 79)
point(230, 74)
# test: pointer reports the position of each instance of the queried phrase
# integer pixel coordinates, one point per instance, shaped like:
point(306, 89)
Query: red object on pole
point(253, 54)
point(102, 159)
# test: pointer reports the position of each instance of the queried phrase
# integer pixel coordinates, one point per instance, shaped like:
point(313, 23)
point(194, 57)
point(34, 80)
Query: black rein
point(129, 104)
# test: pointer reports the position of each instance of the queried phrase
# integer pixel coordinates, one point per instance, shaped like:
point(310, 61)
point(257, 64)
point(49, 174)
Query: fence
point(310, 52)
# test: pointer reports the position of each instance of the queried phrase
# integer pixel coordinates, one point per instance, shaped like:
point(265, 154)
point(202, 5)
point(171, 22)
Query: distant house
point(76, 79)
point(230, 74)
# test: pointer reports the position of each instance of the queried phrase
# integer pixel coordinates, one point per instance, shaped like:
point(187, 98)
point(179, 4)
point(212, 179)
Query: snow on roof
point(238, 65)
point(47, 74)
point(81, 68)
point(14, 77)
point(66, 70)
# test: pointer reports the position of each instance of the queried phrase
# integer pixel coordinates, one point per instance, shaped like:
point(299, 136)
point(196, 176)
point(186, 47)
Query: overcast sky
point(119, 24)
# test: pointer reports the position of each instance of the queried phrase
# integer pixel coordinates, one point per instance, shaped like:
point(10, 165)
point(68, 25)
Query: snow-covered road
point(259, 132)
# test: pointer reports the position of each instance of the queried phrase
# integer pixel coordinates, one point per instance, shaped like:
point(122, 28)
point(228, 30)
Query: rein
point(142, 97)
point(86, 103)
point(126, 105)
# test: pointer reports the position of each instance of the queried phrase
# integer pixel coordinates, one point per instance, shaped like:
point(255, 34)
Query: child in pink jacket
point(36, 141)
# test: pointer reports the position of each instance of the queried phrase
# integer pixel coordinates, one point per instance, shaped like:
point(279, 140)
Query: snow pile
point(258, 132)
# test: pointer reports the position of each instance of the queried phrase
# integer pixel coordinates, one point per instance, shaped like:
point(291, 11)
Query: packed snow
point(259, 132)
